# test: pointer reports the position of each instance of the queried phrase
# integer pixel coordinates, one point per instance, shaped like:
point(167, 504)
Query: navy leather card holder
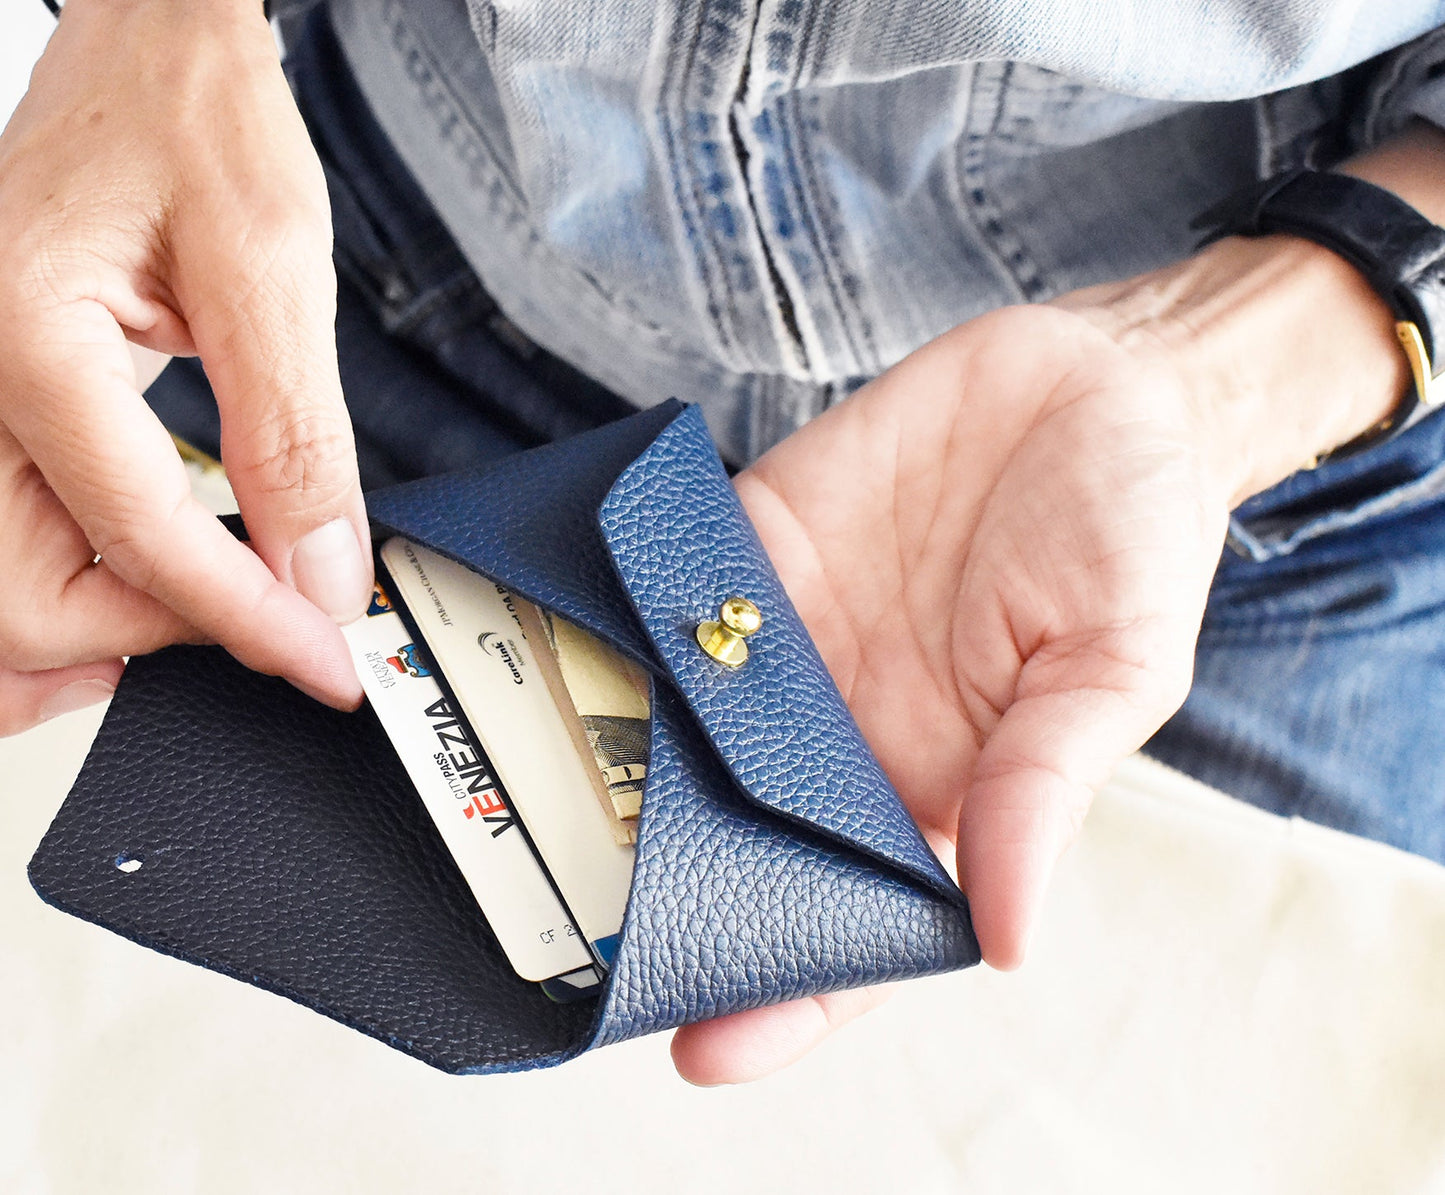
point(226, 819)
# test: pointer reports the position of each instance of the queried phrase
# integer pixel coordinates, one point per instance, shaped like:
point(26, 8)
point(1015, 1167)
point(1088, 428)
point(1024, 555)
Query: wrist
point(171, 16)
point(1282, 350)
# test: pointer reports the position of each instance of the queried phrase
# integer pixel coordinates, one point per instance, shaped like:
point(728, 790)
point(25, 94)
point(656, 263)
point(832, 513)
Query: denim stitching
point(683, 188)
point(485, 169)
point(811, 195)
point(990, 81)
point(808, 193)
point(404, 33)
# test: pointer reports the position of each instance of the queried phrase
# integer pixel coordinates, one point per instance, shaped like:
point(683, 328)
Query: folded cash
point(606, 701)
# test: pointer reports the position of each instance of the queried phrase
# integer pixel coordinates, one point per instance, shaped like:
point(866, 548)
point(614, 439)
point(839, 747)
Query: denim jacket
point(758, 204)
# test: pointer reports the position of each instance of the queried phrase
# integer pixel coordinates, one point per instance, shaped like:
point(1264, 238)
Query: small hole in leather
point(128, 862)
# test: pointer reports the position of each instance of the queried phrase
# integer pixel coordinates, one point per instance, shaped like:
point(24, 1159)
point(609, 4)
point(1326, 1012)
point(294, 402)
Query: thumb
point(286, 437)
point(1036, 777)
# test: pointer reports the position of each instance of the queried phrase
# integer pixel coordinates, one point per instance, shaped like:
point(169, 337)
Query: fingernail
point(328, 571)
point(75, 696)
point(347, 703)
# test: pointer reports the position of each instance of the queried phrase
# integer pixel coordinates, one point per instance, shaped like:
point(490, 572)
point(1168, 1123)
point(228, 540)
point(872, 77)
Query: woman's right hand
point(157, 187)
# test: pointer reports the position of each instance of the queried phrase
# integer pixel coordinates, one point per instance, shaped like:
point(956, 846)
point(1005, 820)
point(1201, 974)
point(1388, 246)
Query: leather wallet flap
point(530, 522)
point(634, 532)
point(683, 544)
point(727, 914)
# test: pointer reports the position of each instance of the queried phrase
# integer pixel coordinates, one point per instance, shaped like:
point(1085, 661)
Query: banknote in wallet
point(604, 699)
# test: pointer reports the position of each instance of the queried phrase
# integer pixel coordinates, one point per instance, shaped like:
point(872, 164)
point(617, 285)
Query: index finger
point(114, 467)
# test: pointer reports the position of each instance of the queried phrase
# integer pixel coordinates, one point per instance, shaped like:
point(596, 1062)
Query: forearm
point(1287, 351)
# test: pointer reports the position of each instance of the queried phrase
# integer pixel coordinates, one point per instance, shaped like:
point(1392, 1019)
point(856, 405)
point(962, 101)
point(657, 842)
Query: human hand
point(1003, 548)
point(157, 188)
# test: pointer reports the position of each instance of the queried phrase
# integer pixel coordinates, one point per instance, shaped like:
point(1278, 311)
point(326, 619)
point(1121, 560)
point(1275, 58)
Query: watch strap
point(1399, 251)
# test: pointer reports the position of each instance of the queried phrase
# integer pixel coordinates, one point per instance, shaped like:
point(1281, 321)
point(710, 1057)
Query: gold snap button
point(725, 639)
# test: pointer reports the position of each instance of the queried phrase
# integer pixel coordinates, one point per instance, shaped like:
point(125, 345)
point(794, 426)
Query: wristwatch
point(1400, 253)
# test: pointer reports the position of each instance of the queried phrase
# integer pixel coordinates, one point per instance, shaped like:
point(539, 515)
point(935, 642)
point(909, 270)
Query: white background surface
point(1218, 1001)
point(24, 26)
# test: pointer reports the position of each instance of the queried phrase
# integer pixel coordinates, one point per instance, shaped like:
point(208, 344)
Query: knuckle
point(282, 278)
point(129, 553)
point(284, 238)
point(131, 536)
point(305, 454)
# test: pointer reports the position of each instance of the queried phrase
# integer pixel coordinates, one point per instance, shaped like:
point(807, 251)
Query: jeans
point(768, 202)
point(1319, 684)
point(1319, 681)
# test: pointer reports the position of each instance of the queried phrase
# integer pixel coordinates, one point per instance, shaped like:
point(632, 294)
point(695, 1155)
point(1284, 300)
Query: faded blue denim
point(758, 204)
point(1320, 675)
point(1319, 684)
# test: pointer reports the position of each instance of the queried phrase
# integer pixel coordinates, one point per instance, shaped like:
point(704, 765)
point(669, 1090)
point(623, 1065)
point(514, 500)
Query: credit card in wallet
point(471, 629)
point(455, 782)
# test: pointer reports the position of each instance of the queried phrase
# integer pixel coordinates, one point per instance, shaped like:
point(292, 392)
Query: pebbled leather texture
point(683, 544)
point(530, 521)
point(281, 843)
point(732, 908)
